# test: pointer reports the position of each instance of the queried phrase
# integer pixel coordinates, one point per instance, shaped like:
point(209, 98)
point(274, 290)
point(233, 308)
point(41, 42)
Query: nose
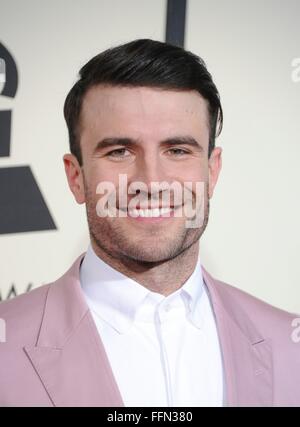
point(149, 168)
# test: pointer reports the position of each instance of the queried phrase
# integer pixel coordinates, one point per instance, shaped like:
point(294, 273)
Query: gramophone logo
point(22, 206)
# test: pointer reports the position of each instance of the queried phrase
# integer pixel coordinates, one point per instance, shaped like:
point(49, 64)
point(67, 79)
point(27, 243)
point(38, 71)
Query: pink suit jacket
point(53, 354)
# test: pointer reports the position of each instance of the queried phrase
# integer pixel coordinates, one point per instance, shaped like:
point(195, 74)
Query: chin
point(152, 255)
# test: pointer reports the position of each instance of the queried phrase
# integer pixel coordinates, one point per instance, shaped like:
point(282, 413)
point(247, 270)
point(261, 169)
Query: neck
point(163, 277)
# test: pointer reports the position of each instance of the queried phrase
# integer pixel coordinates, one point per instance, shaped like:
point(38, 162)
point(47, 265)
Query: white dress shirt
point(163, 351)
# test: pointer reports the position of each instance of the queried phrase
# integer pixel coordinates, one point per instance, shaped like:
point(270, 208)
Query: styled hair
point(147, 63)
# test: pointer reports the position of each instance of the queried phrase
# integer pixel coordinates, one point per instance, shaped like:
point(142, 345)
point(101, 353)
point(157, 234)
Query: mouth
point(154, 214)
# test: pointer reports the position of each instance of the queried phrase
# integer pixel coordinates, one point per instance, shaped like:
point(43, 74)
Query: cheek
point(194, 174)
point(96, 174)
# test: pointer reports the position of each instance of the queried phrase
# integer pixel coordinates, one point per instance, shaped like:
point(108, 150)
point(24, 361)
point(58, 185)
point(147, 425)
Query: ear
point(75, 177)
point(214, 168)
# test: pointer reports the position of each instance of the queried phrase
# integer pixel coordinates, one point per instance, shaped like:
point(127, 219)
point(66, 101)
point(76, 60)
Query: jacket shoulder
point(22, 315)
point(272, 321)
point(251, 302)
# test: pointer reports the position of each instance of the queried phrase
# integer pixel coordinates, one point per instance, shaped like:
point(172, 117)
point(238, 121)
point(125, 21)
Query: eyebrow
point(129, 142)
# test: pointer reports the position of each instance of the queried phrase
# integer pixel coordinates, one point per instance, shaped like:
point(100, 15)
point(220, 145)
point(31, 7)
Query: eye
point(118, 153)
point(178, 152)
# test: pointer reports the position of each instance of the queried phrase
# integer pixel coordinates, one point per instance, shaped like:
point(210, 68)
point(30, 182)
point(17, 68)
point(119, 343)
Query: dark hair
point(149, 63)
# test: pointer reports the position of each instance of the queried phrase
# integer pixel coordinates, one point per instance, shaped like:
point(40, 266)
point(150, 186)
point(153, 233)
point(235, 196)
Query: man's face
point(148, 135)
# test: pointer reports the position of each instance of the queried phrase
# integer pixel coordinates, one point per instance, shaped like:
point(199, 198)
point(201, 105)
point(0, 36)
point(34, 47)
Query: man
point(137, 320)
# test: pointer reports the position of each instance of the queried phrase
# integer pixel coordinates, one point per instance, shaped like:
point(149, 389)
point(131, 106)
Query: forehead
point(143, 110)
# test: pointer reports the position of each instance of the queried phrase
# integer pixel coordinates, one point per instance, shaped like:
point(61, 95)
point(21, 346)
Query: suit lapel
point(69, 356)
point(247, 356)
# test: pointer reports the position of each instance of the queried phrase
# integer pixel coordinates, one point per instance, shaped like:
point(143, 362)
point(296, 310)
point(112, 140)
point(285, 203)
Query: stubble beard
point(110, 237)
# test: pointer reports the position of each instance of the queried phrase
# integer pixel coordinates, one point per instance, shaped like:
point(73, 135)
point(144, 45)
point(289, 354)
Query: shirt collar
point(117, 298)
